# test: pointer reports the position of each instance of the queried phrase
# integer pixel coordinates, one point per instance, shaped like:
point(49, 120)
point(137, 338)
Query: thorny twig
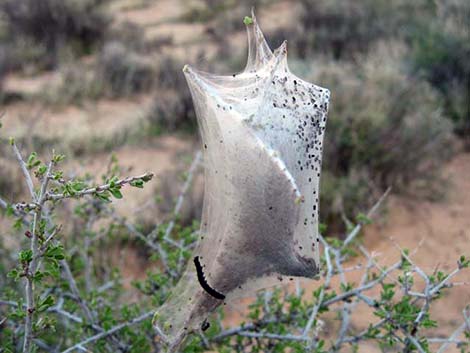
point(82, 344)
point(30, 269)
point(38, 248)
point(24, 169)
point(334, 265)
point(99, 189)
point(335, 257)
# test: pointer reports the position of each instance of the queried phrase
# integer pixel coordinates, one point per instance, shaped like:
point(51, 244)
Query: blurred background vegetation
point(91, 77)
point(398, 70)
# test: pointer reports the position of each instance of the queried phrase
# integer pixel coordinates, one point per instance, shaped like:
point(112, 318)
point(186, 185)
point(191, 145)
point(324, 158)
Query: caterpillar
point(203, 281)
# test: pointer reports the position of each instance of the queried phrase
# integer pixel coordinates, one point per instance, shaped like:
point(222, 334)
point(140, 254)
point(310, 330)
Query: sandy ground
point(71, 124)
point(440, 231)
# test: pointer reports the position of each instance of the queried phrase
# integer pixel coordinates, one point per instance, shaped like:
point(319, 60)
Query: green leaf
point(388, 292)
point(248, 20)
point(14, 274)
point(112, 181)
point(116, 193)
point(463, 262)
point(139, 183)
point(26, 255)
point(69, 190)
point(41, 170)
point(362, 218)
point(56, 252)
point(103, 196)
point(78, 185)
point(58, 175)
point(10, 211)
point(57, 158)
point(32, 161)
point(45, 304)
point(38, 276)
point(19, 313)
point(147, 178)
point(18, 224)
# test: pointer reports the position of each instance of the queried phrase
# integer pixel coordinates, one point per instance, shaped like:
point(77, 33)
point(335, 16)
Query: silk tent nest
point(262, 133)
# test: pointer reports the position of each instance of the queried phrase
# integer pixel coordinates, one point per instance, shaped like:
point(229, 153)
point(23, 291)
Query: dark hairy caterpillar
point(203, 281)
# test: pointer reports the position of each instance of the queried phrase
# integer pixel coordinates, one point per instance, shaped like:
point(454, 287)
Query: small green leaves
point(248, 20)
point(57, 175)
point(112, 182)
point(45, 304)
point(10, 211)
point(463, 262)
point(114, 188)
point(438, 277)
point(32, 161)
point(427, 322)
point(11, 141)
point(405, 264)
point(116, 192)
point(14, 274)
point(18, 224)
point(387, 292)
point(40, 171)
point(40, 262)
point(55, 252)
point(103, 196)
point(334, 242)
point(139, 183)
point(363, 219)
point(73, 187)
point(18, 313)
point(346, 287)
point(372, 332)
point(57, 158)
point(146, 178)
point(26, 256)
point(38, 276)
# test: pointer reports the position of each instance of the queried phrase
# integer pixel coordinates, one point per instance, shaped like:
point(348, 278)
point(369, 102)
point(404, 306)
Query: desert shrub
point(73, 285)
point(440, 51)
point(435, 32)
point(172, 108)
point(24, 54)
point(118, 71)
point(384, 129)
point(342, 29)
point(3, 59)
point(123, 72)
point(78, 84)
point(131, 35)
point(55, 24)
point(226, 13)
